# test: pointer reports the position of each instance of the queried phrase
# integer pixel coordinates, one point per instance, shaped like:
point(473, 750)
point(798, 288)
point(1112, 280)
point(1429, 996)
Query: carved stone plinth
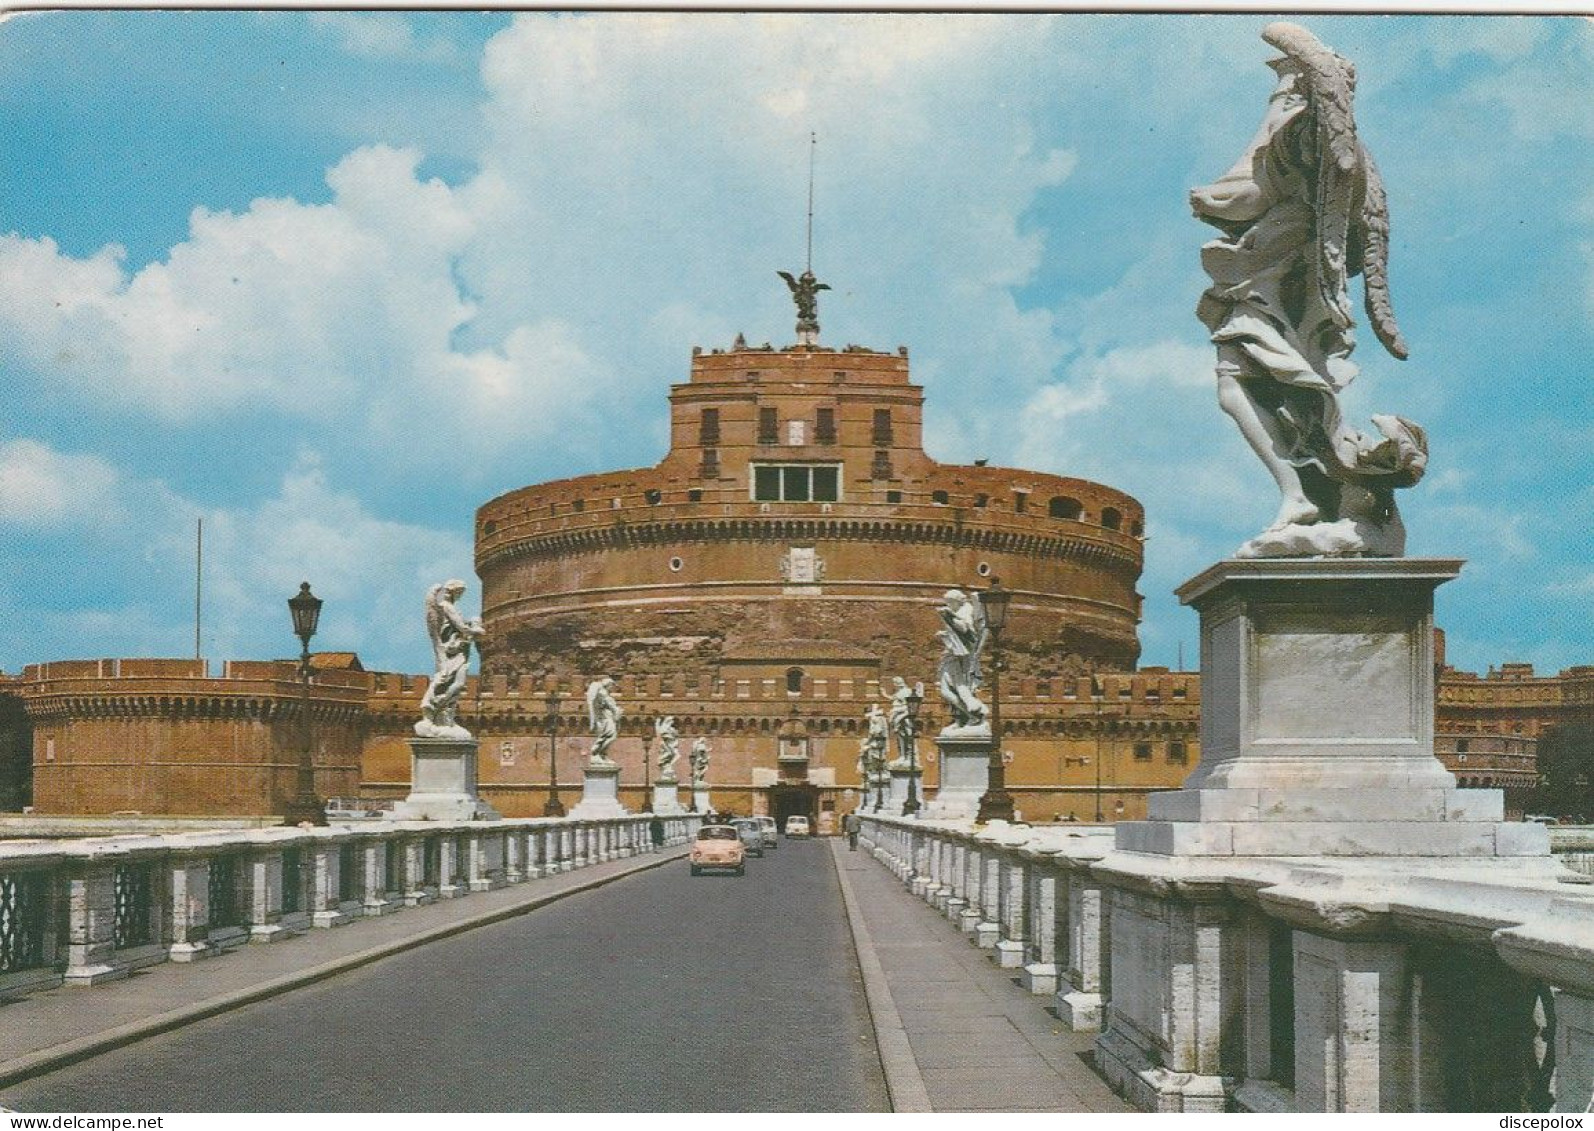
point(1317, 701)
point(700, 799)
point(897, 793)
point(600, 792)
point(965, 759)
point(667, 798)
point(443, 783)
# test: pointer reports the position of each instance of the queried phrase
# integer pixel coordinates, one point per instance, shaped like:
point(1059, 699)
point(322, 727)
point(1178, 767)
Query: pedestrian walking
point(656, 832)
point(851, 825)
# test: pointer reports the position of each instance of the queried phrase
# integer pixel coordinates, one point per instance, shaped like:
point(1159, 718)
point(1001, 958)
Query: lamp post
point(1097, 693)
point(914, 701)
point(554, 807)
point(996, 803)
point(306, 807)
point(647, 766)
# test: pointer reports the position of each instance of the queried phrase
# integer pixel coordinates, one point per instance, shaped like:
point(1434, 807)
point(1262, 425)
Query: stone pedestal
point(965, 757)
point(1317, 701)
point(600, 792)
point(443, 783)
point(700, 799)
point(667, 798)
point(897, 792)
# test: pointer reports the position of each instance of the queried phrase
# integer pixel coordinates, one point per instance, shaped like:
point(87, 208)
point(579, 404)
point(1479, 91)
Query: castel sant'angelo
point(762, 584)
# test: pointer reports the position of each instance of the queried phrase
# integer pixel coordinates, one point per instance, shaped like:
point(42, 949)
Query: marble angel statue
point(1301, 213)
point(452, 636)
point(962, 638)
point(669, 748)
point(603, 714)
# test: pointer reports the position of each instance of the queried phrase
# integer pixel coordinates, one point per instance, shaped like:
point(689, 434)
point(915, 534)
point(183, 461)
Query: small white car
point(770, 828)
point(797, 826)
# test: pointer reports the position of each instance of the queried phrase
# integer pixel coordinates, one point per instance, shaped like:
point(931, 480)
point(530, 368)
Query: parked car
point(718, 846)
point(771, 831)
point(797, 826)
point(752, 834)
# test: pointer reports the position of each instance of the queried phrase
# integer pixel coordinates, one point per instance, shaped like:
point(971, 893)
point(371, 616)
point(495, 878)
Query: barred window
point(796, 483)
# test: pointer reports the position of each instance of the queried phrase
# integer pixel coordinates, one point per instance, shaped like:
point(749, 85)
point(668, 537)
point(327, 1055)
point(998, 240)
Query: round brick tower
point(797, 521)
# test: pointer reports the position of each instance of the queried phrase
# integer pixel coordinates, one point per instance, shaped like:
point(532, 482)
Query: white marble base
point(1081, 1012)
point(1009, 954)
point(1040, 978)
point(1317, 703)
point(600, 792)
point(443, 783)
point(700, 800)
point(667, 799)
point(965, 760)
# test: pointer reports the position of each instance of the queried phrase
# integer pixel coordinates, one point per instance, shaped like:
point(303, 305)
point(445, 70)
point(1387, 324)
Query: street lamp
point(914, 701)
point(1097, 692)
point(647, 765)
point(996, 803)
point(554, 807)
point(305, 807)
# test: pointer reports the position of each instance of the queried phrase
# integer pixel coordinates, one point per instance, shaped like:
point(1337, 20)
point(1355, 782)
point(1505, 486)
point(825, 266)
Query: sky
point(330, 281)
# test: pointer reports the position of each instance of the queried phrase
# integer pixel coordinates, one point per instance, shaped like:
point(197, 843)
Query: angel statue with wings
point(805, 293)
point(872, 750)
point(603, 714)
point(452, 636)
point(1301, 213)
point(699, 762)
point(669, 748)
point(962, 638)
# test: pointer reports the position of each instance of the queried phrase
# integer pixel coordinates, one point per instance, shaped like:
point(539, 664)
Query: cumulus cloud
point(41, 487)
point(383, 35)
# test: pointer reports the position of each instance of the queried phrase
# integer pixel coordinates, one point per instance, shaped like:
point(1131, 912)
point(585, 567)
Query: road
point(659, 992)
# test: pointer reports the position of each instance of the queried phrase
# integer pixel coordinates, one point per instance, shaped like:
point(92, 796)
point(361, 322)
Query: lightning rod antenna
point(813, 144)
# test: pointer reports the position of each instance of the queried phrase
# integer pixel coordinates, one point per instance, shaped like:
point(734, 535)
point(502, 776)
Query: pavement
point(50, 1029)
point(956, 1032)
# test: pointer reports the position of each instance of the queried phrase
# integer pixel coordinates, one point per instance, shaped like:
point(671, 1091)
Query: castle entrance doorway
point(793, 800)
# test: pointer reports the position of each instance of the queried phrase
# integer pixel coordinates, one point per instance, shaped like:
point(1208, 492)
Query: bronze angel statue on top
point(805, 293)
point(1301, 213)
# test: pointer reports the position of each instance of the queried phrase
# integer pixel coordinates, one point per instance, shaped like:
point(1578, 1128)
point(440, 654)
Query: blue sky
point(331, 280)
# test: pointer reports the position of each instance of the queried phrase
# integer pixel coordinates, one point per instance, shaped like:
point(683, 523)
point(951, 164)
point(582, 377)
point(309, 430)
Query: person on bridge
point(656, 832)
point(851, 825)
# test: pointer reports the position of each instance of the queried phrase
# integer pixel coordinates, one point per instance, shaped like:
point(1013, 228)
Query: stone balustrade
point(85, 911)
point(1313, 985)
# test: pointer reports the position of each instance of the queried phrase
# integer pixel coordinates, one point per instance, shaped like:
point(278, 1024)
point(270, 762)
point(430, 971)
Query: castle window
point(694, 495)
point(940, 498)
point(796, 483)
point(1176, 753)
point(1462, 746)
point(654, 496)
point(1112, 518)
point(1063, 507)
point(711, 463)
point(838, 376)
point(893, 496)
point(882, 426)
point(579, 505)
point(796, 432)
point(1020, 501)
point(825, 427)
point(1142, 751)
point(881, 467)
point(489, 527)
point(981, 500)
point(708, 430)
point(794, 681)
point(768, 426)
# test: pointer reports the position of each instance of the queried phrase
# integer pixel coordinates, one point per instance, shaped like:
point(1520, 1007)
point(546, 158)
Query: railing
point(1482, 993)
point(81, 912)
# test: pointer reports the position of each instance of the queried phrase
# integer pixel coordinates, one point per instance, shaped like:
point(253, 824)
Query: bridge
point(570, 965)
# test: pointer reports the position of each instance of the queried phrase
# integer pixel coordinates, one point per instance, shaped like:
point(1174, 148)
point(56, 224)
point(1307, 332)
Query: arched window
point(794, 681)
point(1062, 506)
point(1112, 518)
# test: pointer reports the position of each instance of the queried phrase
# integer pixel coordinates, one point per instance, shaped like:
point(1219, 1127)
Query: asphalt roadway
point(658, 992)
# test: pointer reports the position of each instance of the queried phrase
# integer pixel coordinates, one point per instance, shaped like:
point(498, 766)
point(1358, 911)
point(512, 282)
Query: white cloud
point(383, 35)
point(42, 487)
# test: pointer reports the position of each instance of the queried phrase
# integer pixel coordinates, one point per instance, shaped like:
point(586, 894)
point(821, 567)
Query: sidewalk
point(956, 1032)
point(52, 1028)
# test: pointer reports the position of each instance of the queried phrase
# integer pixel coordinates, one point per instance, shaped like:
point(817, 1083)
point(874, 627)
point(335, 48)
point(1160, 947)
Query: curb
point(71, 1052)
point(904, 1082)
